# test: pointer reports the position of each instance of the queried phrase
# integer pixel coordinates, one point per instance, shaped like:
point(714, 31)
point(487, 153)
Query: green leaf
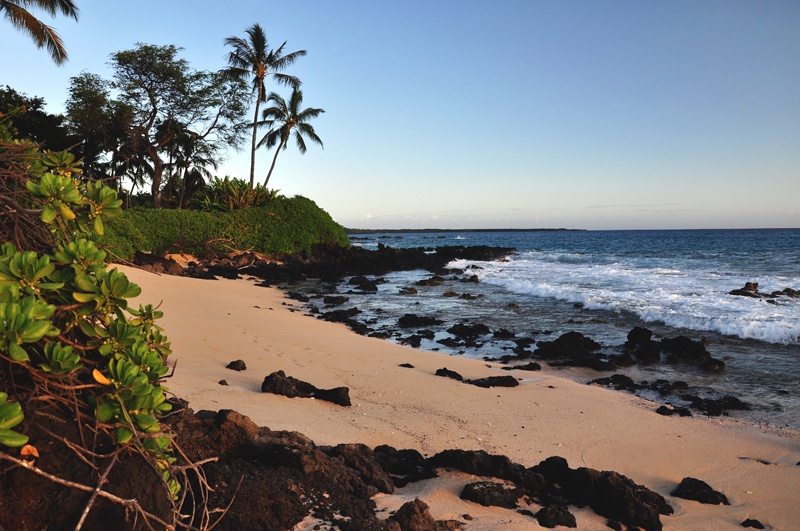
point(17, 353)
point(86, 327)
point(122, 435)
point(98, 225)
point(66, 213)
point(10, 415)
point(145, 422)
point(84, 284)
point(83, 297)
point(48, 214)
point(107, 411)
point(51, 285)
point(36, 331)
point(12, 438)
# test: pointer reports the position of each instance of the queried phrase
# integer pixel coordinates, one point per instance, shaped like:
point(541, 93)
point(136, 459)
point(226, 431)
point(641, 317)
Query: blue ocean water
point(602, 283)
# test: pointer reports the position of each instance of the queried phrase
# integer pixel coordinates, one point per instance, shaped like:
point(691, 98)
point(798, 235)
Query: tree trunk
point(255, 130)
point(283, 141)
point(158, 170)
point(183, 187)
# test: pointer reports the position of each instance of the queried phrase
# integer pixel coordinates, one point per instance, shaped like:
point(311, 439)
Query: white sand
point(211, 323)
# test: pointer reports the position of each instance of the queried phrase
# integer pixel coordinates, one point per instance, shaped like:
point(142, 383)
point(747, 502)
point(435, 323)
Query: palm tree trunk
point(283, 141)
point(183, 188)
point(255, 129)
point(158, 170)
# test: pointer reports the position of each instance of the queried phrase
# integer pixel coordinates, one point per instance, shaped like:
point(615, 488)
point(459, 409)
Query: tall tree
point(167, 97)
point(35, 123)
point(251, 57)
point(193, 157)
point(101, 124)
point(282, 119)
point(43, 35)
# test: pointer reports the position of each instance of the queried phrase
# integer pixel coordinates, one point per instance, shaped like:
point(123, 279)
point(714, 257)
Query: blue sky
point(461, 114)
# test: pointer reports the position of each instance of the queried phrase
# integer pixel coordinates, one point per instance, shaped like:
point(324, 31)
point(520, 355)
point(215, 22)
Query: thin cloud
point(622, 205)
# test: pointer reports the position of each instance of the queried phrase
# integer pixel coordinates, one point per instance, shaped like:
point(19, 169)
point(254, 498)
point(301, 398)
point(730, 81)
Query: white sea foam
point(678, 292)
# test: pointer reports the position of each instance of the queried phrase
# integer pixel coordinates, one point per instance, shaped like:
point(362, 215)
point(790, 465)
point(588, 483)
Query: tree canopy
point(35, 124)
point(252, 58)
point(285, 118)
point(159, 97)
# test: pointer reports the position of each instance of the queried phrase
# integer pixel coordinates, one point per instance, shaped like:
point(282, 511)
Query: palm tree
point(43, 35)
point(252, 57)
point(282, 119)
point(193, 158)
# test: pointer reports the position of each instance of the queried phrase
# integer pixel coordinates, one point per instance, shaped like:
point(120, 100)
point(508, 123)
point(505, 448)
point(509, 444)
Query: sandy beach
point(211, 323)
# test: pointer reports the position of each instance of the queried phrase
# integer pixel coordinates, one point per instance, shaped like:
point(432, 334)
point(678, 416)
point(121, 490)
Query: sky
point(595, 115)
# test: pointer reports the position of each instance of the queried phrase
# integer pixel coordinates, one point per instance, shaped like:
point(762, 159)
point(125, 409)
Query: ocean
point(603, 283)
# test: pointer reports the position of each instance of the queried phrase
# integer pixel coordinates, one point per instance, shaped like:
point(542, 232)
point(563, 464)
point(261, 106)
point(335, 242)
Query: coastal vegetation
point(71, 345)
point(251, 57)
point(283, 119)
point(160, 122)
point(281, 226)
point(74, 350)
point(164, 108)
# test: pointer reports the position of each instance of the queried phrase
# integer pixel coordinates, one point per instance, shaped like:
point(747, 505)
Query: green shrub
point(282, 226)
point(64, 317)
point(224, 195)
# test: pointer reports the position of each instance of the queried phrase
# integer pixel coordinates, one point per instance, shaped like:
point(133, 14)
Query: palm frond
point(51, 7)
point(301, 145)
point(307, 114)
point(43, 35)
point(287, 80)
point(308, 131)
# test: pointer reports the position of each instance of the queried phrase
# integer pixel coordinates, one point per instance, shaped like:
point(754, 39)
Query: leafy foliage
point(224, 195)
point(164, 108)
point(253, 58)
point(283, 118)
point(35, 123)
point(65, 312)
point(282, 226)
point(10, 415)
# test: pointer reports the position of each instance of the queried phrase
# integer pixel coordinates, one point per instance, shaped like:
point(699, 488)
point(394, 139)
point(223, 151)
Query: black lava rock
point(715, 407)
point(697, 490)
point(237, 365)
point(712, 365)
point(335, 300)
point(683, 348)
point(411, 320)
point(404, 466)
point(415, 516)
point(648, 351)
point(280, 384)
point(490, 493)
point(755, 524)
point(637, 335)
point(494, 381)
point(449, 374)
point(462, 331)
point(556, 515)
point(668, 411)
point(532, 366)
point(620, 382)
point(504, 334)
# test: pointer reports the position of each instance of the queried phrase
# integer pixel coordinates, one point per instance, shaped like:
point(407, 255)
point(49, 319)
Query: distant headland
point(395, 231)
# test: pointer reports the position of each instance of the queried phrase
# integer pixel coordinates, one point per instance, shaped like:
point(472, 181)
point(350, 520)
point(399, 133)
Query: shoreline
point(350, 231)
point(212, 323)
